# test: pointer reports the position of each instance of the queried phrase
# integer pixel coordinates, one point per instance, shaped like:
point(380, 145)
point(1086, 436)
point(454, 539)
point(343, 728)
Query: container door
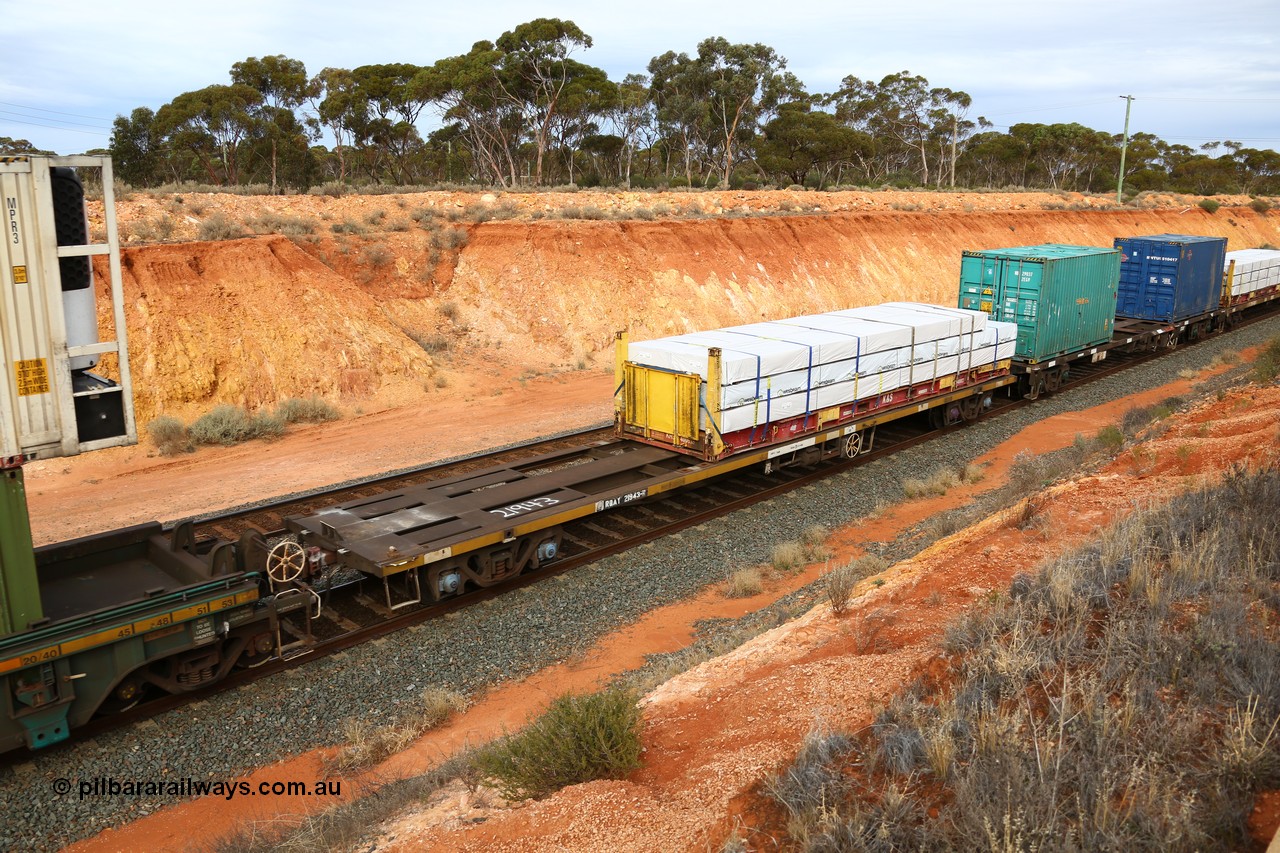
point(1020, 302)
point(978, 282)
point(1148, 280)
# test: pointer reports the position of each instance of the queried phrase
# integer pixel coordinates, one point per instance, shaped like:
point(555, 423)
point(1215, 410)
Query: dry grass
point(838, 584)
point(218, 227)
point(936, 484)
point(367, 743)
point(744, 583)
point(1125, 697)
point(813, 539)
point(309, 410)
point(170, 436)
point(788, 556)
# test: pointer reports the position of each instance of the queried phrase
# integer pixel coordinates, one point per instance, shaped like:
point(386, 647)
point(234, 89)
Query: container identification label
point(619, 500)
point(11, 206)
point(32, 375)
point(20, 275)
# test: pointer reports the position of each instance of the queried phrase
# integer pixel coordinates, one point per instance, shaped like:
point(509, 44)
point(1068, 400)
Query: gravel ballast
point(508, 637)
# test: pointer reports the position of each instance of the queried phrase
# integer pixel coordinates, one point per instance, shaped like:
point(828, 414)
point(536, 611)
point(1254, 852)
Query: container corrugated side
point(1169, 277)
point(1061, 297)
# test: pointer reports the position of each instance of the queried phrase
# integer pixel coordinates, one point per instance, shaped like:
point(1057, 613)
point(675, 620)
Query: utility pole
point(1124, 149)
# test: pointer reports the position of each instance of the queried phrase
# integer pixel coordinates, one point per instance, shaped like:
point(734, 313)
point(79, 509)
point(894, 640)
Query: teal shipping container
point(1063, 298)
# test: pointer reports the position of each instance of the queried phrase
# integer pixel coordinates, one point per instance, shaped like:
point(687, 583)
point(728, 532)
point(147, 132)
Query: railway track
point(352, 615)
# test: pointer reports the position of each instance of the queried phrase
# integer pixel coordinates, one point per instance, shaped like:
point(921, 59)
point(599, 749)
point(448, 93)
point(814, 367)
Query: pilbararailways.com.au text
point(109, 786)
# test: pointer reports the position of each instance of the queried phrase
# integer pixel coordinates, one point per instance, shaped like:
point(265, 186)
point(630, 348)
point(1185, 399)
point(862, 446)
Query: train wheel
point(852, 445)
point(1053, 381)
point(126, 696)
point(971, 408)
point(286, 561)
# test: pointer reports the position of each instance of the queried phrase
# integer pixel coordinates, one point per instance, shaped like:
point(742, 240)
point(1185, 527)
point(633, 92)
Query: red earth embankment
point(370, 320)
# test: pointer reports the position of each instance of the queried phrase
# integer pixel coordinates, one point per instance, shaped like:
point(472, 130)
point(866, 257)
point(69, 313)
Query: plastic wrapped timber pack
point(1256, 269)
point(783, 369)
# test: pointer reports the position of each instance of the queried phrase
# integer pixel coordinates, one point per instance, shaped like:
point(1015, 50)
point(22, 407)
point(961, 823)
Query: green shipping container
point(1063, 298)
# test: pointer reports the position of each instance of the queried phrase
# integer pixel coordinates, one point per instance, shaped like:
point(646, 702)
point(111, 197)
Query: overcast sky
point(1200, 70)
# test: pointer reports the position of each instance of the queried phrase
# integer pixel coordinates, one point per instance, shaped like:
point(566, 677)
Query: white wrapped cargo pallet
point(784, 369)
point(1255, 269)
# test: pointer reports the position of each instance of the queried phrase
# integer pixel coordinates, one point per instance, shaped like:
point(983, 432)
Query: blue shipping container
point(1169, 277)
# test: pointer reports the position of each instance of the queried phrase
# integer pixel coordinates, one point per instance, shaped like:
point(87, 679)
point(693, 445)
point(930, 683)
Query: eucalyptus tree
point(585, 100)
point(283, 86)
point(904, 108)
point(1258, 170)
point(800, 141)
point(714, 103)
point(341, 108)
point(136, 147)
point(212, 123)
point(745, 85)
point(472, 96)
point(632, 118)
point(395, 95)
point(536, 71)
point(678, 91)
point(1068, 155)
point(523, 87)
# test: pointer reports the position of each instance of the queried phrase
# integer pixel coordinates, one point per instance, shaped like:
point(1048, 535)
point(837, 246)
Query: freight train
point(93, 625)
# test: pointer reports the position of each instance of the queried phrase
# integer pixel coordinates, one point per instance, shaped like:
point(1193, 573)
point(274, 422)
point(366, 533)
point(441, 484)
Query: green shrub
point(270, 222)
point(155, 229)
point(170, 436)
point(309, 410)
point(1209, 205)
point(1267, 367)
point(266, 425)
point(218, 227)
point(227, 425)
point(347, 226)
point(1260, 205)
point(377, 255)
point(333, 189)
point(1109, 438)
point(578, 739)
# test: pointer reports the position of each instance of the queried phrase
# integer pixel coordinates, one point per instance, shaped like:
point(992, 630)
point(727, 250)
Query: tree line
point(524, 111)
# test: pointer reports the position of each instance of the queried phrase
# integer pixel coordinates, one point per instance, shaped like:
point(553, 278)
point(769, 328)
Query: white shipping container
point(49, 336)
